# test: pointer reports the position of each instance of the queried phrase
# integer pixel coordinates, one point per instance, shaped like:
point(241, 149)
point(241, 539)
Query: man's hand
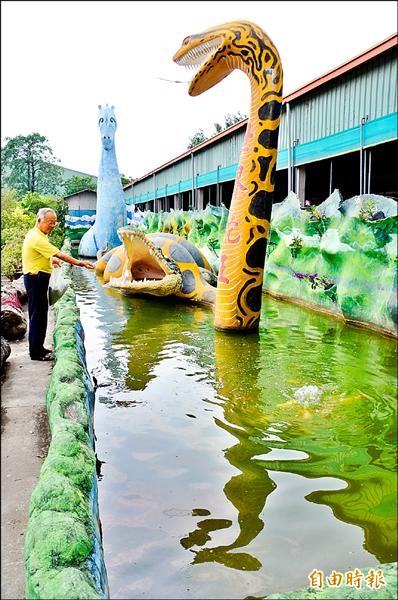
point(55, 262)
point(86, 264)
point(74, 261)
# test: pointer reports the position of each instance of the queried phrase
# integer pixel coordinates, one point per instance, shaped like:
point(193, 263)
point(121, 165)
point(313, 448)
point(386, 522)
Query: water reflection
point(219, 468)
point(157, 330)
point(347, 433)
point(247, 491)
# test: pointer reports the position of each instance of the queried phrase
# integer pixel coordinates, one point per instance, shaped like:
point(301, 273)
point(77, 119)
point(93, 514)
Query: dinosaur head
point(221, 49)
point(146, 269)
point(107, 125)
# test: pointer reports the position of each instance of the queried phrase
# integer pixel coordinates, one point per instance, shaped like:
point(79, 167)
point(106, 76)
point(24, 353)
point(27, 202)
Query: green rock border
point(63, 547)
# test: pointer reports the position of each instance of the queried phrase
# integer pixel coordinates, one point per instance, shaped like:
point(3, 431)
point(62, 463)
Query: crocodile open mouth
point(146, 270)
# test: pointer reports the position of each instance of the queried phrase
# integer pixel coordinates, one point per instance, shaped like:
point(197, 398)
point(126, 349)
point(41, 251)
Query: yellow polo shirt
point(36, 252)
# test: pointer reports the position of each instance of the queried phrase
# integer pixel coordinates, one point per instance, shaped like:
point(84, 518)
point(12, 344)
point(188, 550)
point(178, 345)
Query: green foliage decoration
point(367, 210)
point(296, 245)
point(318, 222)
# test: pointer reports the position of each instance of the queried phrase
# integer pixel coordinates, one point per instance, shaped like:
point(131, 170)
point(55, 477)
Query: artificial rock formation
point(340, 256)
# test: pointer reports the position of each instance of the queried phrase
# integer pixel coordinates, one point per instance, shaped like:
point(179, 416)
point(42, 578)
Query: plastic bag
point(57, 286)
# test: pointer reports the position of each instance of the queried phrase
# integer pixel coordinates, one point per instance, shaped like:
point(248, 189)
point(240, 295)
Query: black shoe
point(45, 357)
point(47, 351)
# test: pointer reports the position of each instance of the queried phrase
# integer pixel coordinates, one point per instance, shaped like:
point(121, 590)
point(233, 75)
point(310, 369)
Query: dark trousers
point(37, 289)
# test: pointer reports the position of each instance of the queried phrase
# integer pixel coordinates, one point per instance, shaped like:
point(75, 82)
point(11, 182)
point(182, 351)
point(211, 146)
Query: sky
point(62, 59)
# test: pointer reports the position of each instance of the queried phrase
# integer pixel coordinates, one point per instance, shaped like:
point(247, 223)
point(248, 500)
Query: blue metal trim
point(375, 132)
point(81, 213)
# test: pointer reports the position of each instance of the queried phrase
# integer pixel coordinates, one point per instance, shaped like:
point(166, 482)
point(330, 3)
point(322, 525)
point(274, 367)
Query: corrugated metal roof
point(346, 67)
point(369, 92)
point(80, 192)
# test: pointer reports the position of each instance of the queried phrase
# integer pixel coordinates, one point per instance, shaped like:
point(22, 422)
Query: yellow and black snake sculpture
point(218, 51)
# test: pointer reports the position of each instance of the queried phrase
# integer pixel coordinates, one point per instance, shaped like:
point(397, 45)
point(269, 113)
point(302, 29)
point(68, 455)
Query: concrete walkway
point(25, 439)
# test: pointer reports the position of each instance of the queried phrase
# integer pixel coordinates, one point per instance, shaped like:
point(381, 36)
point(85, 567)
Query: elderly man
point(38, 256)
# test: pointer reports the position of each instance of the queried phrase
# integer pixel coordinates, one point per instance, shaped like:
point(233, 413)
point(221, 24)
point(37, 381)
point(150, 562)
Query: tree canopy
point(17, 217)
point(28, 165)
point(77, 183)
point(229, 120)
point(197, 138)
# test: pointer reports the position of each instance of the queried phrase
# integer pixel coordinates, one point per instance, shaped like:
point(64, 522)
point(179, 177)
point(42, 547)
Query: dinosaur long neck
point(108, 165)
point(240, 279)
point(108, 180)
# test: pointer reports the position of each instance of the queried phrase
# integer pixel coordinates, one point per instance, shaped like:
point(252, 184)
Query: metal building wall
point(371, 90)
point(324, 122)
point(82, 203)
point(215, 162)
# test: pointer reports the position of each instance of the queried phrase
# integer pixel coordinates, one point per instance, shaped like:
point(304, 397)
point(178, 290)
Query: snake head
point(217, 52)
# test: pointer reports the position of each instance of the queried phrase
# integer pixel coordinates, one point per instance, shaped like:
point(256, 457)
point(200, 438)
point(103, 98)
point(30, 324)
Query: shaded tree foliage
point(196, 139)
point(17, 217)
point(125, 179)
point(79, 183)
point(229, 120)
point(28, 165)
point(15, 223)
point(32, 201)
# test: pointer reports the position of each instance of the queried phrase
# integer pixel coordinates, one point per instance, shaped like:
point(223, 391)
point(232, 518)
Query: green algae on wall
point(63, 552)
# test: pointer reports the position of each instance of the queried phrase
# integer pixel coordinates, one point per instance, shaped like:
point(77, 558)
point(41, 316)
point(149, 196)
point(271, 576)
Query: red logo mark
point(221, 277)
point(247, 138)
point(238, 184)
point(232, 223)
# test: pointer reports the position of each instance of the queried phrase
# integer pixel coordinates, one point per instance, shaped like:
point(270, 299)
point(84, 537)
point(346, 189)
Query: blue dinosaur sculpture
point(111, 211)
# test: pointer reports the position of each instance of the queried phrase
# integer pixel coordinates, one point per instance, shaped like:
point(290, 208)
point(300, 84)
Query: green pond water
point(233, 465)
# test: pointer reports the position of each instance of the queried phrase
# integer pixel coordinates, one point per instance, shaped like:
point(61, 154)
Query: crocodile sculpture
point(159, 264)
point(243, 45)
point(111, 210)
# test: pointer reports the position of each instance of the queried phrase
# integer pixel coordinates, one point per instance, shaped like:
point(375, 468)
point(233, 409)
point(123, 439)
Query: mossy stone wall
point(63, 549)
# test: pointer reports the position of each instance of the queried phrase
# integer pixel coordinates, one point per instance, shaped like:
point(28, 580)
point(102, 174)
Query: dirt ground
point(25, 438)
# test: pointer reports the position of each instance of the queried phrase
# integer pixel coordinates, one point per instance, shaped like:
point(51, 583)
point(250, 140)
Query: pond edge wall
point(63, 545)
